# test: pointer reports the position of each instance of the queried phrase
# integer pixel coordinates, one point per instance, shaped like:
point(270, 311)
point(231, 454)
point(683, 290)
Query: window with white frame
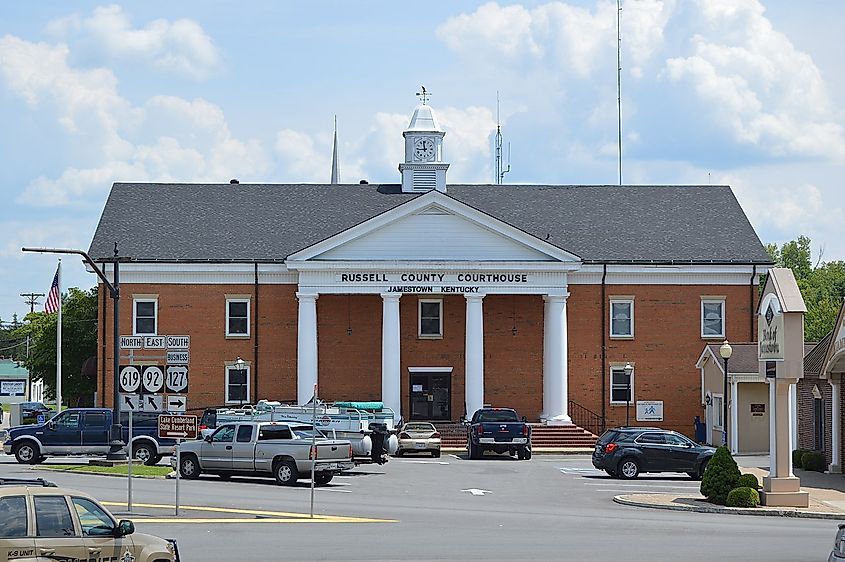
point(430, 318)
point(621, 389)
point(237, 317)
point(145, 316)
point(621, 318)
point(712, 318)
point(718, 411)
point(237, 384)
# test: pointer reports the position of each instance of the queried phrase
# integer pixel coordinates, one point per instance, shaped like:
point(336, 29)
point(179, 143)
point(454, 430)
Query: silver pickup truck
point(279, 449)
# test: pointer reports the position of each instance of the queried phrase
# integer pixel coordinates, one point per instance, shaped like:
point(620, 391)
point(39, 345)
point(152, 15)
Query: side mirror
point(207, 438)
point(51, 425)
point(124, 527)
point(524, 419)
point(463, 419)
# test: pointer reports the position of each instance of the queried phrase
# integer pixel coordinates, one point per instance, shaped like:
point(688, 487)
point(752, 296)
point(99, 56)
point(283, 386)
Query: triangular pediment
point(434, 227)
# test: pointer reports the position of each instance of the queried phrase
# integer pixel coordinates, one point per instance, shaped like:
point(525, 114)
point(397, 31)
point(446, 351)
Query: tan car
point(39, 521)
point(419, 437)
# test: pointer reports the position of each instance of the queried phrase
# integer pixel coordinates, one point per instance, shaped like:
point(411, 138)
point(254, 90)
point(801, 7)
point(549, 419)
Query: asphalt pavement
point(548, 508)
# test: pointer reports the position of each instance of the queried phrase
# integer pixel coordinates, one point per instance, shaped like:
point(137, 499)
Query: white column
point(474, 354)
point(306, 347)
point(390, 354)
point(555, 373)
point(773, 467)
point(793, 418)
point(835, 427)
point(734, 414)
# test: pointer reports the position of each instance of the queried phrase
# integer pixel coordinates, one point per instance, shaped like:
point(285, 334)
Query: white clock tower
point(423, 168)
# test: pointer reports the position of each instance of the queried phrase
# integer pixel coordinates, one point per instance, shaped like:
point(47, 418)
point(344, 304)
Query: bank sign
point(770, 336)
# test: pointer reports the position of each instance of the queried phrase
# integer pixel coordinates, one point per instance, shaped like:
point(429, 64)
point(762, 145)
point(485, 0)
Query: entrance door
point(431, 396)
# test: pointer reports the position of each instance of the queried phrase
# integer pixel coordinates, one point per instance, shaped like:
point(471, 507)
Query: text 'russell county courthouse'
point(435, 298)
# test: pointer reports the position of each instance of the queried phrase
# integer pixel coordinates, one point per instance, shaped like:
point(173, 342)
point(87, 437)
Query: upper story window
point(430, 318)
point(145, 315)
point(237, 384)
point(712, 317)
point(237, 317)
point(621, 317)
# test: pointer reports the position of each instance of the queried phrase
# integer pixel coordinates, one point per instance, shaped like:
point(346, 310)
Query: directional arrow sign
point(152, 403)
point(176, 403)
point(477, 492)
point(130, 403)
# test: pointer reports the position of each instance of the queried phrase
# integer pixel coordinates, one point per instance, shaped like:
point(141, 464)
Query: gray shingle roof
point(266, 222)
point(743, 357)
point(814, 357)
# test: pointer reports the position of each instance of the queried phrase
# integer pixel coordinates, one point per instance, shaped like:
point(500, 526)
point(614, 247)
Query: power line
point(31, 299)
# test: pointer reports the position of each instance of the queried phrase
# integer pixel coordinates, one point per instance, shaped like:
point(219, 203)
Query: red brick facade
point(806, 415)
point(665, 348)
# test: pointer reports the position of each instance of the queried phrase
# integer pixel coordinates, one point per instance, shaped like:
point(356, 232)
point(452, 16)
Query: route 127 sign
point(176, 379)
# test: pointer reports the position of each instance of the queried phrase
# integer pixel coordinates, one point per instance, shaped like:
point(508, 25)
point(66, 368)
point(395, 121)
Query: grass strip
point(137, 469)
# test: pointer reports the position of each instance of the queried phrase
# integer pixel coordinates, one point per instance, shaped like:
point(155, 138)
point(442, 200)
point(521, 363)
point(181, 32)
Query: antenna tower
point(500, 171)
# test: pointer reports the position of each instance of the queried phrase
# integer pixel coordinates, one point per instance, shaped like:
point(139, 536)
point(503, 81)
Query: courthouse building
point(436, 298)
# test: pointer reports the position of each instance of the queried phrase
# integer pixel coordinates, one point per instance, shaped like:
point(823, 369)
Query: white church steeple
point(423, 168)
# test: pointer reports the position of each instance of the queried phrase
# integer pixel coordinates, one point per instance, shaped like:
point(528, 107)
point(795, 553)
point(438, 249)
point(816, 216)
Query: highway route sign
point(130, 403)
point(152, 403)
point(176, 403)
point(176, 378)
point(177, 427)
point(129, 378)
point(152, 378)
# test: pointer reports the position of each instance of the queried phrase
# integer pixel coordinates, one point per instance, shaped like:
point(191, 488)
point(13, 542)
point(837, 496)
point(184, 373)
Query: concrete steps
point(454, 435)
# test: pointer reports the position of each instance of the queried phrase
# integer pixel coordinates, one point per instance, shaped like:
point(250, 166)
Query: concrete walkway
point(827, 496)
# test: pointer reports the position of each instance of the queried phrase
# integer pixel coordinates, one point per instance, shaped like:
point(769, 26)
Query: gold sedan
point(419, 437)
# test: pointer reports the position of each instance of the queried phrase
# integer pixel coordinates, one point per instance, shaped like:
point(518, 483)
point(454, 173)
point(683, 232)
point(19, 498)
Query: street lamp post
point(629, 371)
point(239, 364)
point(116, 444)
point(725, 351)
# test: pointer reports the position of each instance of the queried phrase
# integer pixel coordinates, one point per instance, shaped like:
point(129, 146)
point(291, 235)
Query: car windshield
point(608, 436)
point(497, 416)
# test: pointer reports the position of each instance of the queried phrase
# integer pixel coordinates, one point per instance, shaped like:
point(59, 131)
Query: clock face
point(424, 149)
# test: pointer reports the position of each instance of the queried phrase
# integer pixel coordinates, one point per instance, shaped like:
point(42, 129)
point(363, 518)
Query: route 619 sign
point(129, 378)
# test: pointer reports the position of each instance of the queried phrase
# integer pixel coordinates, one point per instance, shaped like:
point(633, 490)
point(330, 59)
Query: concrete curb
point(91, 472)
point(536, 450)
point(629, 499)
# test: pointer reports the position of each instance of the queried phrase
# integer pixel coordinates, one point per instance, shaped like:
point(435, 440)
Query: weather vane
point(423, 95)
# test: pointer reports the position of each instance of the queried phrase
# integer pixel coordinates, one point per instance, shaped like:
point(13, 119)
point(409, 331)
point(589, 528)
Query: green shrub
point(796, 456)
point(720, 477)
point(813, 460)
point(748, 481)
point(743, 497)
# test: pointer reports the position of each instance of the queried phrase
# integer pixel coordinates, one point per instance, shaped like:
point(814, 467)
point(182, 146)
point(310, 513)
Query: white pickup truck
point(279, 449)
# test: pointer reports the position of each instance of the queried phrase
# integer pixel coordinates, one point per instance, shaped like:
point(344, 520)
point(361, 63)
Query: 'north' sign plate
point(177, 427)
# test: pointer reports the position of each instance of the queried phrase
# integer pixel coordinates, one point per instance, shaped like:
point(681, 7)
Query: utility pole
point(31, 299)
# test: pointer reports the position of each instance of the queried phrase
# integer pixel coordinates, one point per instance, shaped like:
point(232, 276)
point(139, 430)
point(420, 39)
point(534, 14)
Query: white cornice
point(687, 274)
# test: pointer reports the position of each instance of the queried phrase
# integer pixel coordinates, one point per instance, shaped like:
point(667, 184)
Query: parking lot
point(553, 507)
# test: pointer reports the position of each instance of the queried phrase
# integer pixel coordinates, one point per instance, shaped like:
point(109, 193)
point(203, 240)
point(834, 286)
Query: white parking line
point(423, 462)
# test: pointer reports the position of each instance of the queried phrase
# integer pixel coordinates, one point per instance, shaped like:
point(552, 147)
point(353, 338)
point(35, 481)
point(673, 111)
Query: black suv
point(625, 452)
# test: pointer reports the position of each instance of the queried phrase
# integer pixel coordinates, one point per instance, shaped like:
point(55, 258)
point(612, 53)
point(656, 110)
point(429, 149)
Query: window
point(718, 411)
point(237, 317)
point(145, 321)
point(818, 424)
point(244, 433)
point(94, 520)
point(431, 318)
point(95, 419)
point(621, 318)
point(620, 393)
point(712, 318)
point(52, 517)
point(12, 516)
point(652, 439)
point(224, 435)
point(237, 384)
point(268, 433)
point(677, 440)
point(68, 421)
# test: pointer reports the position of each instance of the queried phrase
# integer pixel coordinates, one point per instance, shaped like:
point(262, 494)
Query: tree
point(79, 342)
point(822, 286)
point(720, 477)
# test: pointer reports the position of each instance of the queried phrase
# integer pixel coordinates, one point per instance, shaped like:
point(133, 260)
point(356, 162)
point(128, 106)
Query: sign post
point(177, 427)
point(129, 466)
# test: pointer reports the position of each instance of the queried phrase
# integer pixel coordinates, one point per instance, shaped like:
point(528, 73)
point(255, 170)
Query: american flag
point(52, 304)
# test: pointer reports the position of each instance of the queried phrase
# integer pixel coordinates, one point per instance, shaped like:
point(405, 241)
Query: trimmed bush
point(743, 497)
point(796, 456)
point(748, 481)
point(720, 477)
point(813, 460)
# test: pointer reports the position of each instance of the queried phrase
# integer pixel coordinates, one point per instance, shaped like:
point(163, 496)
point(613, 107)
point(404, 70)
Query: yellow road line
point(268, 516)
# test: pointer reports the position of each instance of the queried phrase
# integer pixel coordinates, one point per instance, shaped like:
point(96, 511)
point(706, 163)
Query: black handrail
point(586, 418)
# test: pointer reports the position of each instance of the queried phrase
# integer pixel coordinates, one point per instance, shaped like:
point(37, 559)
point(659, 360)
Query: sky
point(741, 92)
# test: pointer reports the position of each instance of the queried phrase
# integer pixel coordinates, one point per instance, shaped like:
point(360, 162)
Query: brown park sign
point(177, 427)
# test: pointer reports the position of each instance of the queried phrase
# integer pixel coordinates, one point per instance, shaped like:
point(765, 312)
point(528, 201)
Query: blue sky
point(743, 92)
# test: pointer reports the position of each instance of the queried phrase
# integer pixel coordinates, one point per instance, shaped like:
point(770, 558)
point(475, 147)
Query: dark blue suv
point(625, 452)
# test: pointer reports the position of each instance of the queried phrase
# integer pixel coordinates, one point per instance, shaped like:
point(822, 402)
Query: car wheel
point(398, 453)
point(701, 470)
point(224, 475)
point(189, 467)
point(26, 453)
point(436, 454)
point(628, 468)
point(520, 454)
point(323, 478)
point(286, 473)
point(474, 452)
point(610, 473)
point(143, 452)
point(527, 454)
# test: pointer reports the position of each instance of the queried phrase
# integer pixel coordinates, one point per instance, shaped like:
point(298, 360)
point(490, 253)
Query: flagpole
point(59, 344)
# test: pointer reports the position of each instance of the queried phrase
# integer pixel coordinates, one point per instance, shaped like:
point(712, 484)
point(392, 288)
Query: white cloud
point(61, 233)
point(179, 46)
point(757, 84)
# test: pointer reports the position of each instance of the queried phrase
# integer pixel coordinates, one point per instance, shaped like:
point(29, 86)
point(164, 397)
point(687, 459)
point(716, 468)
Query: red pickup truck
point(499, 430)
